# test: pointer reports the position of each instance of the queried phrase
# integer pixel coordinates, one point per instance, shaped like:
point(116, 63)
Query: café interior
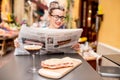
point(100, 21)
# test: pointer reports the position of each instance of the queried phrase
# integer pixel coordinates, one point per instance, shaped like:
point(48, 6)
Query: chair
point(107, 71)
point(2, 46)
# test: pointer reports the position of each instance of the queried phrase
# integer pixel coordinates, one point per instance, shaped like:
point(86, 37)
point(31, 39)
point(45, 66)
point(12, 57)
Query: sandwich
point(56, 63)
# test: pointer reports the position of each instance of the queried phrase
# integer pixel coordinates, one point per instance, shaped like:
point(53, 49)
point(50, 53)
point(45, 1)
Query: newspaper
point(50, 39)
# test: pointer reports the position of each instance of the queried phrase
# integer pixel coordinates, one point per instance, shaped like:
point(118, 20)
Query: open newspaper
point(50, 39)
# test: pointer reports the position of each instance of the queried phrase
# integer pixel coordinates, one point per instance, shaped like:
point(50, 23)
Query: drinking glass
point(33, 49)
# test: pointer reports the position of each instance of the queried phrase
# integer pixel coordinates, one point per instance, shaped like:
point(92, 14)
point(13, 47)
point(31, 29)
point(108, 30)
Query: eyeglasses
point(57, 17)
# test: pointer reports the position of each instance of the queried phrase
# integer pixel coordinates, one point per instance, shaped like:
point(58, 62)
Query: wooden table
point(17, 69)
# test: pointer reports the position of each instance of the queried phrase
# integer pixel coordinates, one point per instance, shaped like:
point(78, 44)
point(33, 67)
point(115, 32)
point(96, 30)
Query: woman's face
point(57, 18)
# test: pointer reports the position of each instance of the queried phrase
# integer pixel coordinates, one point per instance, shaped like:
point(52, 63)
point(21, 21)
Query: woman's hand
point(76, 46)
point(16, 43)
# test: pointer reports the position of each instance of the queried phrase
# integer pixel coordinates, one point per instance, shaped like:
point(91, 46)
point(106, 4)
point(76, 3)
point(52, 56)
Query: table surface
point(115, 58)
point(17, 69)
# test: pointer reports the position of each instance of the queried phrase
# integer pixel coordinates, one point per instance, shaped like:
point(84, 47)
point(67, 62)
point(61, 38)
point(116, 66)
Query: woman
point(56, 21)
point(56, 15)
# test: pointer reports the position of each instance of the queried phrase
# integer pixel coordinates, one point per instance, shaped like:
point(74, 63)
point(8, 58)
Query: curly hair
point(55, 5)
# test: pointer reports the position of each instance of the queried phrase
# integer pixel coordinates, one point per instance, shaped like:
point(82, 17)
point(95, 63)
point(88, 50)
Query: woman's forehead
point(58, 12)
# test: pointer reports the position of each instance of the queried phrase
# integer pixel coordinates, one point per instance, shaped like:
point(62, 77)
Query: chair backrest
point(98, 63)
point(107, 71)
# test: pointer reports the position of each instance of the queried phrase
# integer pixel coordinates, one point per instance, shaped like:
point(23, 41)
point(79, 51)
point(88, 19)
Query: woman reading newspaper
point(56, 21)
